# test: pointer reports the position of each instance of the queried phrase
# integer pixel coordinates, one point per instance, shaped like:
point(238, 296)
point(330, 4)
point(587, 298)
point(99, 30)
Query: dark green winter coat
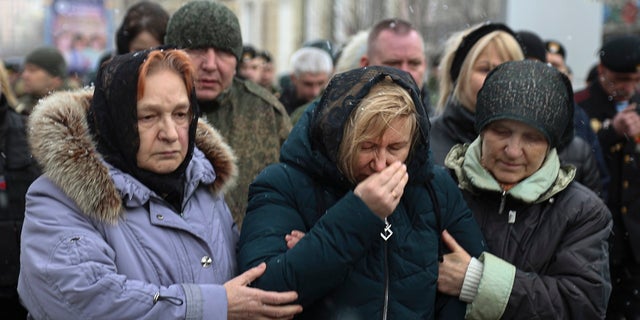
point(342, 268)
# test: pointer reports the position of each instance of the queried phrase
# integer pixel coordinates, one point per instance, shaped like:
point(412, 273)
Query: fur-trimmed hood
point(63, 145)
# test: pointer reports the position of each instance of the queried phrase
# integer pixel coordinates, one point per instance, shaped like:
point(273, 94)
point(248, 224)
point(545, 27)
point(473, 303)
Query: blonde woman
point(351, 217)
point(469, 56)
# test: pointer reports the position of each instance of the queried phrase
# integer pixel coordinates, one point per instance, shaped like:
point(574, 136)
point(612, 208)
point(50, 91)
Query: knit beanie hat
point(203, 24)
point(530, 92)
point(49, 59)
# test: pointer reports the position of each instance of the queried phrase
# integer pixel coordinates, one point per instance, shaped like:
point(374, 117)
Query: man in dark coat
point(17, 171)
point(611, 102)
point(396, 43)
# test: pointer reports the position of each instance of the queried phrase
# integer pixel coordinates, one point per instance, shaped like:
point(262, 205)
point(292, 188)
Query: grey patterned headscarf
point(531, 92)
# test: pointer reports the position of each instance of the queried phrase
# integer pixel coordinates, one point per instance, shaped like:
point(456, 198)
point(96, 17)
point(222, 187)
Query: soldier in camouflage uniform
point(250, 118)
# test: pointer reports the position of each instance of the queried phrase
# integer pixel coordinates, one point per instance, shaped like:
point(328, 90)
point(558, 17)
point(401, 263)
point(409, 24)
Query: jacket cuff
point(494, 289)
point(471, 280)
point(205, 301)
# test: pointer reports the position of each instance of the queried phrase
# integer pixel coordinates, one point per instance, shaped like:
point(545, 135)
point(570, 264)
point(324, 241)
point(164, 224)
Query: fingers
point(293, 238)
point(397, 181)
point(278, 298)
point(250, 275)
point(382, 191)
point(297, 234)
point(627, 122)
point(392, 174)
point(278, 305)
point(252, 303)
point(450, 242)
point(281, 312)
point(398, 190)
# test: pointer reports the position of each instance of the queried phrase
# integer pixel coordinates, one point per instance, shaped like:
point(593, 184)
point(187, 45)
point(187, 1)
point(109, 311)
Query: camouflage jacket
point(255, 125)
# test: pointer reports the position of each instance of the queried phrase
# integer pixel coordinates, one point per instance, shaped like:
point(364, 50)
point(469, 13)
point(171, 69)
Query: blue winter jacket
point(97, 244)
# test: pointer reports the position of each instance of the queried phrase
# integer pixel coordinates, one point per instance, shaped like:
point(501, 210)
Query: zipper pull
point(386, 233)
point(502, 201)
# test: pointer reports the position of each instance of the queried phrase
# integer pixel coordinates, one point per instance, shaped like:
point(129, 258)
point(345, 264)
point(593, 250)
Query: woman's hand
point(250, 303)
point(381, 191)
point(453, 267)
point(293, 238)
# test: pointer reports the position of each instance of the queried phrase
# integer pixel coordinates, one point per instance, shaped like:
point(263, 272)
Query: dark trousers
point(625, 296)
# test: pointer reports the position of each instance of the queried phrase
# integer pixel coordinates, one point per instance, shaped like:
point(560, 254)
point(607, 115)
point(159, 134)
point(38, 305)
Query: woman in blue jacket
point(129, 219)
point(356, 179)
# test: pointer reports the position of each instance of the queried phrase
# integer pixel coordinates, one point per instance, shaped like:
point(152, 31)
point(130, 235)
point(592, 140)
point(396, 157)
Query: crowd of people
point(187, 182)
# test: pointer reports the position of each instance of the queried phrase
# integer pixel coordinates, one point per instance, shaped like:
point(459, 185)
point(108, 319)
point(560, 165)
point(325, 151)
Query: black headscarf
point(113, 121)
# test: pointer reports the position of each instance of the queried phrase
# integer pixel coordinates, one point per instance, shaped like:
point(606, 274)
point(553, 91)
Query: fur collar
point(62, 144)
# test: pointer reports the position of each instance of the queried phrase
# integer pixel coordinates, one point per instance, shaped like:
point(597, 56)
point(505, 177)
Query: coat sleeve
point(575, 284)
point(68, 271)
point(322, 258)
point(458, 220)
point(456, 217)
point(579, 154)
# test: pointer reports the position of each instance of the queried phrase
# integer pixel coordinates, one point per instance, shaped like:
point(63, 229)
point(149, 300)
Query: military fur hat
point(621, 54)
point(49, 59)
point(530, 92)
point(203, 24)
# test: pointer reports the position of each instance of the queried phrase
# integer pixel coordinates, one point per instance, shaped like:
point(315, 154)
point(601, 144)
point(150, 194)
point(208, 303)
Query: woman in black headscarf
point(129, 219)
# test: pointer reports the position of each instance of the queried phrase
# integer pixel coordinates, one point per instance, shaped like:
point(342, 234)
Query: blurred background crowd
point(85, 29)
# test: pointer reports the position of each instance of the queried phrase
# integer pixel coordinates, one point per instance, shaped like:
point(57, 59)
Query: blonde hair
point(386, 102)
point(507, 46)
point(5, 86)
point(352, 52)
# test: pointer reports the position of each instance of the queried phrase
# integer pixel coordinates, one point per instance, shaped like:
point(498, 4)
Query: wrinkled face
point(251, 69)
point(487, 60)
point(404, 52)
point(619, 85)
point(308, 85)
point(512, 150)
point(376, 154)
point(163, 123)
point(37, 81)
point(215, 69)
point(144, 40)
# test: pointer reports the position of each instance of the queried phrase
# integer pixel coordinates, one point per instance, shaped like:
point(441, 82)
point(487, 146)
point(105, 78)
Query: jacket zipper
point(503, 199)
point(385, 308)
